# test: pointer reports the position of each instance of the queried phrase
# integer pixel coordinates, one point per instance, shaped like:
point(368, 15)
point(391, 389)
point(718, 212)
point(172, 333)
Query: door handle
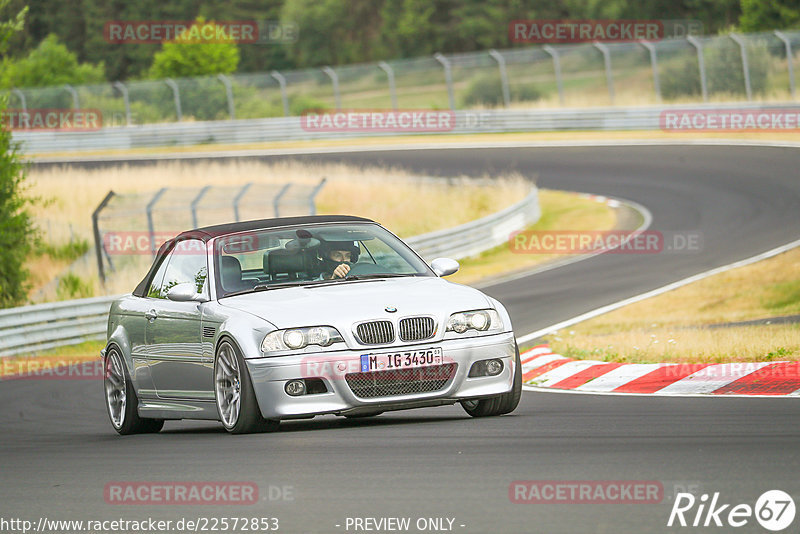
point(151, 315)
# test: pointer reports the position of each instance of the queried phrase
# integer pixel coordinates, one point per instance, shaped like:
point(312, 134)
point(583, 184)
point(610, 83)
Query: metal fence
point(732, 67)
point(283, 129)
point(26, 329)
point(130, 226)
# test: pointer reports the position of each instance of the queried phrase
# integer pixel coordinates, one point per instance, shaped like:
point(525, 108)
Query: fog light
point(494, 367)
point(295, 388)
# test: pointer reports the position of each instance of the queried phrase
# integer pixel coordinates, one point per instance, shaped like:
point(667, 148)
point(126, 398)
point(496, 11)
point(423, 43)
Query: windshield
point(271, 259)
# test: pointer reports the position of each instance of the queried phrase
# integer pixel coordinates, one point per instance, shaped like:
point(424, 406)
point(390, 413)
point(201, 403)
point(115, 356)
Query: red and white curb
point(544, 369)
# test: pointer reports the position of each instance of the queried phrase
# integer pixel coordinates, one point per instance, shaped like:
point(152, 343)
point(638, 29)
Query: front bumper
point(269, 377)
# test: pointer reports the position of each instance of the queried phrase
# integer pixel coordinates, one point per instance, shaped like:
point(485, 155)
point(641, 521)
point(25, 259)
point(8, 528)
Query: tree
point(187, 56)
point(51, 63)
point(17, 232)
point(758, 15)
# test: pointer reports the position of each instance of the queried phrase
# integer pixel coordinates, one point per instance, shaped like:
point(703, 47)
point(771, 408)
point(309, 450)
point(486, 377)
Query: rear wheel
point(233, 390)
point(121, 400)
point(501, 404)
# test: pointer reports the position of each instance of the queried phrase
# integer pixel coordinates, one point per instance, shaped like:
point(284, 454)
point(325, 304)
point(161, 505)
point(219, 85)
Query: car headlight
point(298, 338)
point(481, 320)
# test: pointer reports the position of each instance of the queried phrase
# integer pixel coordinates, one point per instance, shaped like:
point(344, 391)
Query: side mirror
point(184, 293)
point(444, 266)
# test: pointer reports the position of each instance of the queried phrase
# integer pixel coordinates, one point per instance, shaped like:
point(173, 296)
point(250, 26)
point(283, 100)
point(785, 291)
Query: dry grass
point(560, 211)
point(392, 196)
point(684, 345)
point(406, 204)
point(669, 327)
point(763, 289)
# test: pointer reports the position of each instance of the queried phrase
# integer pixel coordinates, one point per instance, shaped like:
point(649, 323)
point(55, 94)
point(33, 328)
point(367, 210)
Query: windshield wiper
point(267, 287)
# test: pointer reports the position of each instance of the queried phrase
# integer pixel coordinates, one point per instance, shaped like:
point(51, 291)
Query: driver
point(336, 257)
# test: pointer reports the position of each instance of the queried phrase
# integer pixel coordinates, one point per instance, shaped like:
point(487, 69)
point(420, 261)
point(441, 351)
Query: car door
point(173, 332)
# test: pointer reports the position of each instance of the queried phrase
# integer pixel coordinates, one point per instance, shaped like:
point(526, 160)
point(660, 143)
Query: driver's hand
point(341, 271)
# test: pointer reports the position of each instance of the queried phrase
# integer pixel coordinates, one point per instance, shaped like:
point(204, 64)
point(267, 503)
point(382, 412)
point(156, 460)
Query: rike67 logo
point(774, 510)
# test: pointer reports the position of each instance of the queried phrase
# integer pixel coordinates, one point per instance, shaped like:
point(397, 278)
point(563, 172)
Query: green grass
point(783, 297)
point(560, 211)
point(70, 251)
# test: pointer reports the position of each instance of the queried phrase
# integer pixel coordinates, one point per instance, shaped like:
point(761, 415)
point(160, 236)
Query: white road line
point(618, 377)
point(712, 378)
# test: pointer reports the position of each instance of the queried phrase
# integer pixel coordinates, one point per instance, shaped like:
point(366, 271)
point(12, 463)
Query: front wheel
point(233, 390)
point(121, 400)
point(501, 404)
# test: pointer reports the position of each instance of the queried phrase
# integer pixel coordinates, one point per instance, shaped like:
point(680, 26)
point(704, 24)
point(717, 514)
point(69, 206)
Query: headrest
point(289, 264)
point(231, 270)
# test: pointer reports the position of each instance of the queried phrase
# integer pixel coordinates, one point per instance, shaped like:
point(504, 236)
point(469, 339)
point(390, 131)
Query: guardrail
point(291, 128)
point(479, 235)
point(46, 326)
point(51, 325)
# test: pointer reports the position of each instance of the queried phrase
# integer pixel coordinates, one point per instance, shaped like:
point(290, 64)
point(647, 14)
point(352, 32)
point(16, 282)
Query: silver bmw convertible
point(255, 322)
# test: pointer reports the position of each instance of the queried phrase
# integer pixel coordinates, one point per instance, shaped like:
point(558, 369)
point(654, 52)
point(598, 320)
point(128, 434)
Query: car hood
point(342, 304)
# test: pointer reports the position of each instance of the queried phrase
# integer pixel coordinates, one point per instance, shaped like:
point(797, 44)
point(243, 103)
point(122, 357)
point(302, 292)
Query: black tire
point(501, 404)
point(248, 418)
point(130, 422)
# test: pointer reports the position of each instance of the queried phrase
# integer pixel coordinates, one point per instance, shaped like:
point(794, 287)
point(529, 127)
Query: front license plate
point(401, 360)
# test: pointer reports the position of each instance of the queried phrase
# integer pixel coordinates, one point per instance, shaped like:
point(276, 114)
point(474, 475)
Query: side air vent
point(208, 331)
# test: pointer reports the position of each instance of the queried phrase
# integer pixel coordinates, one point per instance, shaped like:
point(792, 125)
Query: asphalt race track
point(58, 450)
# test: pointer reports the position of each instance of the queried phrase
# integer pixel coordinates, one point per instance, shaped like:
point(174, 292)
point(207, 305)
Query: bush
point(50, 64)
point(17, 232)
point(723, 61)
point(680, 77)
point(71, 286)
point(299, 104)
point(487, 90)
point(186, 59)
point(724, 67)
